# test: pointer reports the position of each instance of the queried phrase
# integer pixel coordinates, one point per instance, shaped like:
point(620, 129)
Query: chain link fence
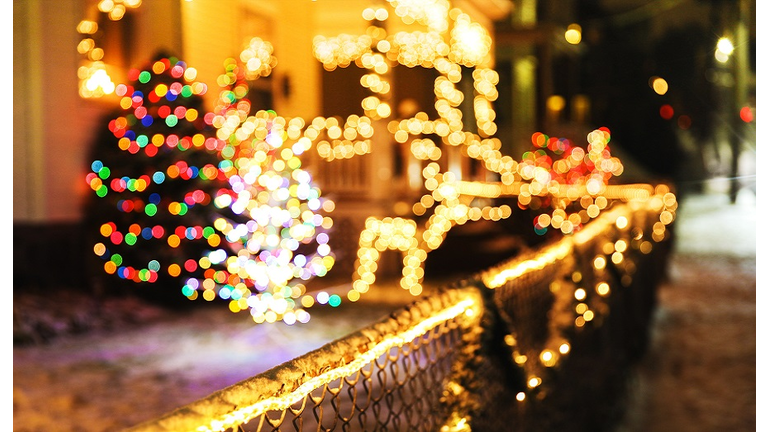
point(543, 342)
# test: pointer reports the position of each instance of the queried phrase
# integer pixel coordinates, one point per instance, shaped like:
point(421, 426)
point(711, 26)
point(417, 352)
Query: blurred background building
point(674, 81)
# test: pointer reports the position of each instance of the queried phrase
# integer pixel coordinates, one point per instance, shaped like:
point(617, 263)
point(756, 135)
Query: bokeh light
point(573, 34)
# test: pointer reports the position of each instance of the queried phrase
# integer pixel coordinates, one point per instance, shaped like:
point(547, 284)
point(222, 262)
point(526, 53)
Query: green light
point(117, 259)
point(142, 140)
point(334, 300)
point(104, 173)
point(171, 120)
point(228, 152)
point(144, 77)
point(150, 209)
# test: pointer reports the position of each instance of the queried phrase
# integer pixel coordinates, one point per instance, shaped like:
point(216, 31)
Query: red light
point(746, 114)
point(667, 112)
point(190, 265)
point(116, 237)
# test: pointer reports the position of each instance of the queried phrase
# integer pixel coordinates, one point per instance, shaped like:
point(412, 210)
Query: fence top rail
point(548, 254)
point(285, 384)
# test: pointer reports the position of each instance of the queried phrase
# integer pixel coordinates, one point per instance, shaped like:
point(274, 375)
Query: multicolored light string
point(277, 231)
point(161, 204)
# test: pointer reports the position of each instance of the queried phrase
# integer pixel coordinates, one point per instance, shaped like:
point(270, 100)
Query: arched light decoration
point(446, 40)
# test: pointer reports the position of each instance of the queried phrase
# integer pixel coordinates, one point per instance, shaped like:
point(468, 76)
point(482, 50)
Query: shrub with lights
point(565, 182)
point(271, 214)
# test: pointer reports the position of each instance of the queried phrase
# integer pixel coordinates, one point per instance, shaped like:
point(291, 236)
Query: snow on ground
point(698, 376)
point(110, 380)
point(709, 224)
point(700, 372)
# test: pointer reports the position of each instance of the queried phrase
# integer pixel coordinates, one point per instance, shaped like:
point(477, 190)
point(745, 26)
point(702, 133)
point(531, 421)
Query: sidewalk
point(699, 375)
point(116, 378)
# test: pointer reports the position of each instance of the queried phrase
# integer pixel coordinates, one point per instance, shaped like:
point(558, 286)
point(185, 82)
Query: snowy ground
point(699, 375)
point(113, 379)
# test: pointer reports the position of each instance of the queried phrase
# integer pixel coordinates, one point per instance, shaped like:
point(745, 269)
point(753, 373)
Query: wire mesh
point(543, 342)
point(398, 375)
point(401, 390)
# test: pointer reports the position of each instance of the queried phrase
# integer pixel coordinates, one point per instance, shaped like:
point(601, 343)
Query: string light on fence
point(242, 414)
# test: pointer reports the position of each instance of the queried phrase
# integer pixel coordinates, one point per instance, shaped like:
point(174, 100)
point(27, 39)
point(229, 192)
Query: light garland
point(615, 239)
point(95, 81)
point(242, 415)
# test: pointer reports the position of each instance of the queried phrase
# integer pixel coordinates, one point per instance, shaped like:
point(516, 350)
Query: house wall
point(51, 123)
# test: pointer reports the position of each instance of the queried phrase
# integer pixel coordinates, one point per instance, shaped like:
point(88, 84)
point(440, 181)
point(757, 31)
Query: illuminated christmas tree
point(156, 175)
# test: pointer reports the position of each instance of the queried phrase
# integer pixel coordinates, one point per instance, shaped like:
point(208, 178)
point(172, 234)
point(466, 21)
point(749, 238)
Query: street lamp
point(724, 49)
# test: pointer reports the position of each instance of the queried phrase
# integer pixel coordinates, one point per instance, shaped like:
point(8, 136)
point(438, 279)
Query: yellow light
point(96, 82)
point(603, 288)
point(534, 381)
point(621, 222)
point(659, 85)
point(599, 263)
point(617, 257)
point(520, 396)
point(87, 27)
point(725, 46)
point(573, 34)
point(209, 295)
point(510, 340)
point(580, 294)
point(547, 257)
point(548, 358)
point(555, 103)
